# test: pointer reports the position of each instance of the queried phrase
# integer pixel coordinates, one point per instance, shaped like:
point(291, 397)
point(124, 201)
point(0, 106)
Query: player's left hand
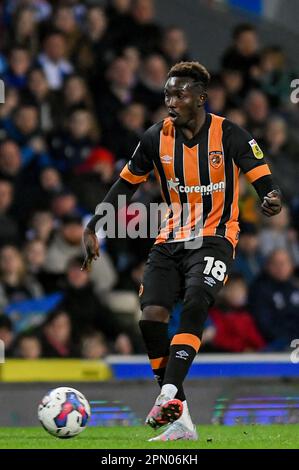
point(271, 204)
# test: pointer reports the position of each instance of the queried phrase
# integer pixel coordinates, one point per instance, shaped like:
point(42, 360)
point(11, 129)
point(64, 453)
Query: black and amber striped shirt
point(200, 174)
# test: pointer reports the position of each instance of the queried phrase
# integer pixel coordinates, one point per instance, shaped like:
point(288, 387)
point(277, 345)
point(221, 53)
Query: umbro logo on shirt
point(166, 159)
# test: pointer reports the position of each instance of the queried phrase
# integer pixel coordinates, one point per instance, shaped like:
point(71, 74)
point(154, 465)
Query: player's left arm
point(249, 157)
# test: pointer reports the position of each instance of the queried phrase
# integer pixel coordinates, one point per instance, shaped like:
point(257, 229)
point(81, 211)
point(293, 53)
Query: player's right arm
point(90, 240)
point(133, 174)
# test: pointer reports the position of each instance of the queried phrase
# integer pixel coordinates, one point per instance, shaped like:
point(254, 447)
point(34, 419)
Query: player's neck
point(193, 127)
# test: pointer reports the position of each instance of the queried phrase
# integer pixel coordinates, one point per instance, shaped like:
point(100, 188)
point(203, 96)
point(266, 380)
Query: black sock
point(155, 336)
point(183, 350)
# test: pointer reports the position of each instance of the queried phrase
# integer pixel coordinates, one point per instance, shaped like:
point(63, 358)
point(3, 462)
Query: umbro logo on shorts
point(210, 281)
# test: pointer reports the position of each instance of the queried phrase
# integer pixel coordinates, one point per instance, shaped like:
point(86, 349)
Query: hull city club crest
point(216, 158)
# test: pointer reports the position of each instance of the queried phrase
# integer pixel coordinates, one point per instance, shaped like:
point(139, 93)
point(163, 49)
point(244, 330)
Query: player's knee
point(195, 312)
point(197, 298)
point(155, 313)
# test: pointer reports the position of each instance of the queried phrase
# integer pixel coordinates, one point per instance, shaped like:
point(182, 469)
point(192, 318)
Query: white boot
point(181, 429)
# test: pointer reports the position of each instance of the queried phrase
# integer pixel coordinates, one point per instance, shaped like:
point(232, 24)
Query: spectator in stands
point(120, 21)
point(63, 204)
point(24, 125)
point(282, 152)
point(38, 197)
point(278, 233)
point(46, 100)
point(123, 345)
point(248, 261)
point(217, 96)
point(131, 125)
point(56, 336)
point(273, 76)
point(117, 93)
point(101, 162)
point(24, 130)
point(15, 283)
point(145, 34)
point(150, 89)
point(71, 148)
point(12, 99)
point(10, 160)
point(75, 93)
point(35, 252)
point(274, 301)
point(24, 30)
point(66, 244)
point(7, 334)
point(243, 54)
point(132, 119)
point(64, 20)
point(93, 178)
point(9, 230)
point(233, 82)
point(257, 108)
point(85, 308)
point(237, 116)
point(19, 64)
point(51, 180)
point(96, 48)
point(42, 9)
point(234, 327)
point(117, 8)
point(54, 60)
point(28, 346)
point(132, 56)
point(41, 226)
point(94, 346)
point(174, 45)
point(35, 255)
point(50, 184)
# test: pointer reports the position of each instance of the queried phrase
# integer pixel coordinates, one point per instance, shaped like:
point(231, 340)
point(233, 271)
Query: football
point(64, 412)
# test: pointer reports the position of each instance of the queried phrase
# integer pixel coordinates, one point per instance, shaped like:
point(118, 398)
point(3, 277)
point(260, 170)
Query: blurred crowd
point(83, 80)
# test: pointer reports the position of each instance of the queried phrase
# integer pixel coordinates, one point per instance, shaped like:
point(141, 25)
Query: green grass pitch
point(211, 437)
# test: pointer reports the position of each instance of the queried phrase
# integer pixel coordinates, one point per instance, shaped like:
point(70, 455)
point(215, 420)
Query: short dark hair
point(52, 32)
point(18, 47)
point(53, 314)
point(5, 322)
point(243, 28)
point(193, 70)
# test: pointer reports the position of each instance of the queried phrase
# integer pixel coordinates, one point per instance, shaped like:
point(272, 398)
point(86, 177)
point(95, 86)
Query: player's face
point(182, 100)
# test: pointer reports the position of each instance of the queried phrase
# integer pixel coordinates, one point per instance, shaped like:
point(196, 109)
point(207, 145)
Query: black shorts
point(171, 269)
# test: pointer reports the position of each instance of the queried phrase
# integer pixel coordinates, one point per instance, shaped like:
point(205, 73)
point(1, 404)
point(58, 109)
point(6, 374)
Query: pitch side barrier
point(215, 365)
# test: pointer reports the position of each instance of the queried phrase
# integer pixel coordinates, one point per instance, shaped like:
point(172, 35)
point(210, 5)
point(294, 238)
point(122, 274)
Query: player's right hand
point(92, 249)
